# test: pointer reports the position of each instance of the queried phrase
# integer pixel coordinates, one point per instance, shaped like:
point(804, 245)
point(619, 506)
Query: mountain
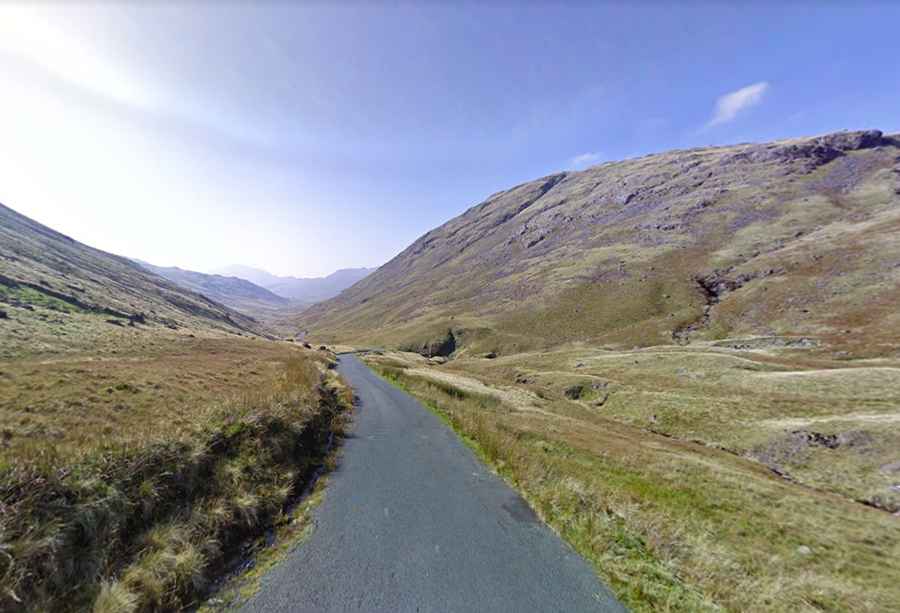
point(320, 288)
point(795, 237)
point(256, 276)
point(56, 292)
point(299, 289)
point(238, 294)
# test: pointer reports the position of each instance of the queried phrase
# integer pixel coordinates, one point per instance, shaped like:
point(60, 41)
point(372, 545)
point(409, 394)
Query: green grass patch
point(34, 297)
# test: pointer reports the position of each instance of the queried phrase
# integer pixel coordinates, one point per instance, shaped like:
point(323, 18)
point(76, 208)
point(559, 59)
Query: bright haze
point(302, 139)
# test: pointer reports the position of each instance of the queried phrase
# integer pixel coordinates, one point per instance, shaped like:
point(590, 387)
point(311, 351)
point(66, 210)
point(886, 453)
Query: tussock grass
point(467, 397)
point(144, 523)
point(674, 526)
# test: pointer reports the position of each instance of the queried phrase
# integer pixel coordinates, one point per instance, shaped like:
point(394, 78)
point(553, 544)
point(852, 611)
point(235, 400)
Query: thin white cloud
point(26, 34)
point(732, 103)
point(39, 39)
point(585, 159)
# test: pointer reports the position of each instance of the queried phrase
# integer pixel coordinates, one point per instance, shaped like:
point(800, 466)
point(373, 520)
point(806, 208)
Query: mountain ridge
point(234, 292)
point(614, 253)
point(306, 290)
point(50, 283)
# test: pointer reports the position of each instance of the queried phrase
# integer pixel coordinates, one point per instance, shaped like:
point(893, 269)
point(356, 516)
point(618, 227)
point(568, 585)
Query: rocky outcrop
point(714, 286)
point(819, 150)
point(796, 444)
point(442, 346)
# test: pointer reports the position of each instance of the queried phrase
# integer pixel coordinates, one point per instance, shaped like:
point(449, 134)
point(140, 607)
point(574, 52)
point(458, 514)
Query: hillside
point(299, 289)
point(57, 293)
point(795, 237)
point(236, 293)
point(688, 363)
point(127, 404)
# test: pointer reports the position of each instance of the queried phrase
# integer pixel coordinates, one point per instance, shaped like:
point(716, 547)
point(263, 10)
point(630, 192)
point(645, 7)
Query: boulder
point(137, 318)
point(442, 346)
point(891, 467)
point(574, 392)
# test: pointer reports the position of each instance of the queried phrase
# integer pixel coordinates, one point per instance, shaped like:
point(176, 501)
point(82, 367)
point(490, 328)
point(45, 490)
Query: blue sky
point(301, 139)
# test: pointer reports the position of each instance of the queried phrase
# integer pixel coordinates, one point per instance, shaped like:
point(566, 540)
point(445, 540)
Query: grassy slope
point(146, 432)
point(84, 291)
point(669, 524)
point(766, 405)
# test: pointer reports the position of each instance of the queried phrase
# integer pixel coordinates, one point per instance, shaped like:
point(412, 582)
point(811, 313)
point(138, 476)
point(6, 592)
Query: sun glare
point(26, 34)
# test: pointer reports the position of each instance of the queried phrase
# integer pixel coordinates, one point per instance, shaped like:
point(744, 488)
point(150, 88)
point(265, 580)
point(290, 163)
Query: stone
point(892, 467)
point(574, 392)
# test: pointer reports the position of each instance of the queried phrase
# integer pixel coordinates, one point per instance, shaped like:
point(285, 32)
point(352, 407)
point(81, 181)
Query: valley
point(274, 301)
point(687, 363)
point(449, 307)
point(301, 290)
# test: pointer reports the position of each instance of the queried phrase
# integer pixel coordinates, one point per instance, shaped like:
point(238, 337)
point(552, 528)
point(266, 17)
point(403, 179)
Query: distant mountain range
point(258, 293)
point(58, 293)
point(239, 294)
point(298, 289)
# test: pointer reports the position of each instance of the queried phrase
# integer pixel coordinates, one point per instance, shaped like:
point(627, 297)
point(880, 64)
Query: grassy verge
point(290, 530)
point(144, 515)
point(640, 579)
point(827, 424)
point(672, 526)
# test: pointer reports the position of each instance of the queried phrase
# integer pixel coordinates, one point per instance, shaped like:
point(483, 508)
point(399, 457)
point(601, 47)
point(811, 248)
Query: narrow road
point(412, 521)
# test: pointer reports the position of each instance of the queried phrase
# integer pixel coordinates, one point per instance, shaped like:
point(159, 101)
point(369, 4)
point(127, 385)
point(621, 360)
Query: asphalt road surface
point(412, 521)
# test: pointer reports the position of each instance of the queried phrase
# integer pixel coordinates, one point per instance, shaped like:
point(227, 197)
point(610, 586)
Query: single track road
point(413, 521)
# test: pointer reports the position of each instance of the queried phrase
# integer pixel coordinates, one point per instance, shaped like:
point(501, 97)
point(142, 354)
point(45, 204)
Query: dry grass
point(155, 389)
point(758, 403)
point(137, 507)
point(668, 524)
